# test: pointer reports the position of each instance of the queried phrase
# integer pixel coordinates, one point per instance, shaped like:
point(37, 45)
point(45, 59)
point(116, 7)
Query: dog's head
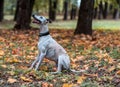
point(40, 19)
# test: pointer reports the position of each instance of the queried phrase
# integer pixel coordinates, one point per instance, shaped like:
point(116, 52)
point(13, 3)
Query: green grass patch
point(69, 24)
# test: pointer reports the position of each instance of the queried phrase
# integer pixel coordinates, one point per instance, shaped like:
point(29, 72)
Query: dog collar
point(44, 34)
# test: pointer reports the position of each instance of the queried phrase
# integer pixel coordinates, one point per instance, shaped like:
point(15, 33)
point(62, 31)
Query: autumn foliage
point(99, 55)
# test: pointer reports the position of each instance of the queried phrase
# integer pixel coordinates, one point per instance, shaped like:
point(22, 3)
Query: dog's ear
point(49, 20)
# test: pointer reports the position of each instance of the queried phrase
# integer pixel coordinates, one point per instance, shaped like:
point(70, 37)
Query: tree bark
point(52, 9)
point(1, 9)
point(65, 10)
point(84, 24)
point(24, 14)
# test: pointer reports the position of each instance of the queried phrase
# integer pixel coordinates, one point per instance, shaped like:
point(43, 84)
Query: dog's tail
point(74, 71)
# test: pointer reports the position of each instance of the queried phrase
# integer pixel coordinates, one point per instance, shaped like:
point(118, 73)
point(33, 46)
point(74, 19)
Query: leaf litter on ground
point(98, 54)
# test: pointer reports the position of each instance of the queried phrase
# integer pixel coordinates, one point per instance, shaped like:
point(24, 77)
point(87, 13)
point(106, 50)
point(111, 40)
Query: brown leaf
point(118, 72)
point(45, 84)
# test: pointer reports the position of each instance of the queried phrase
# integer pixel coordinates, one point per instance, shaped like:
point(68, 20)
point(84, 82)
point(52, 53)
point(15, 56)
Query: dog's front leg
point(40, 60)
point(35, 61)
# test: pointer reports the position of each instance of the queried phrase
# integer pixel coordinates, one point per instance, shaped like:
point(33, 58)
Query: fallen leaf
point(118, 72)
point(3, 66)
point(1, 53)
point(43, 67)
point(51, 85)
point(81, 79)
point(25, 79)
point(67, 85)
point(11, 80)
point(2, 39)
point(12, 60)
point(45, 84)
point(111, 68)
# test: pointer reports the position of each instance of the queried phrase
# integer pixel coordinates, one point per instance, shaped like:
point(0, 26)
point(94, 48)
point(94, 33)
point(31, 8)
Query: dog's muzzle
point(35, 19)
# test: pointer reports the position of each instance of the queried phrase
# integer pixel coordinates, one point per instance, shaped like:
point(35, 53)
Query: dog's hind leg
point(59, 66)
point(63, 61)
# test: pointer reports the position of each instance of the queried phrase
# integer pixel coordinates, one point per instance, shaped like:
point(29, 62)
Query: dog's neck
point(44, 28)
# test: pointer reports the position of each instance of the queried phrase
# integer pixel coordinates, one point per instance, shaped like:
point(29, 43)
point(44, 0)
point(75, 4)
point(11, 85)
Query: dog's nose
point(33, 15)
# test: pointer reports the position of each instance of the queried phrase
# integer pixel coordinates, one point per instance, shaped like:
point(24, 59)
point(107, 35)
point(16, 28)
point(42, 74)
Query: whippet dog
point(49, 48)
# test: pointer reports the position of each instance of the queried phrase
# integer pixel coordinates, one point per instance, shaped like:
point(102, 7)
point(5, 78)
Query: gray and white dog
point(49, 48)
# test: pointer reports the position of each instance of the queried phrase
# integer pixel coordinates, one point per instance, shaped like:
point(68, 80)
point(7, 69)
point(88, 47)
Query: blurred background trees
point(21, 10)
point(1, 9)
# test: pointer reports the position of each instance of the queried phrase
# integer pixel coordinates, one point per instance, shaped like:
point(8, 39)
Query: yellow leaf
point(12, 60)
point(25, 79)
point(67, 85)
point(81, 79)
point(11, 80)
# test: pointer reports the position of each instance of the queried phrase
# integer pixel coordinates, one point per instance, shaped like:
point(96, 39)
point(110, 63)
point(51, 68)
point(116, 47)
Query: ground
point(99, 55)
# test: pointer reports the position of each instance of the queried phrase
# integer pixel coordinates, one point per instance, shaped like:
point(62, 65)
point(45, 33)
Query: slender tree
point(1, 9)
point(84, 24)
point(52, 9)
point(24, 14)
point(65, 9)
point(73, 12)
point(105, 10)
point(16, 11)
point(116, 13)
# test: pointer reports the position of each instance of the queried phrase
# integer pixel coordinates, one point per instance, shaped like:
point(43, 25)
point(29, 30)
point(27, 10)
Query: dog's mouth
point(35, 20)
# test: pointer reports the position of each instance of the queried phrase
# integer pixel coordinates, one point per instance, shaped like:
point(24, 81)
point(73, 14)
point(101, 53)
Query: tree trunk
point(1, 9)
point(95, 12)
point(84, 24)
point(65, 10)
point(73, 12)
point(116, 14)
point(52, 9)
point(100, 10)
point(24, 14)
point(105, 11)
point(16, 11)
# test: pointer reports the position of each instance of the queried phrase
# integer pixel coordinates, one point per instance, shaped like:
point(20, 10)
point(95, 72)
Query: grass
point(69, 24)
